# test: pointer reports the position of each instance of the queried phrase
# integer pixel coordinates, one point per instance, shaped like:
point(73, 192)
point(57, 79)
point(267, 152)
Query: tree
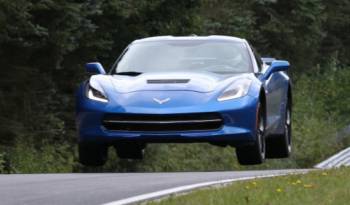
point(291, 30)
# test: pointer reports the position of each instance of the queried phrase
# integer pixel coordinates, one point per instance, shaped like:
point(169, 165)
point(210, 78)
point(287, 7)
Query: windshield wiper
point(130, 73)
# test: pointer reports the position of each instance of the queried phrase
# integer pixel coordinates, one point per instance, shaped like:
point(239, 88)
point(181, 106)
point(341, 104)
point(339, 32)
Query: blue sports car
point(213, 89)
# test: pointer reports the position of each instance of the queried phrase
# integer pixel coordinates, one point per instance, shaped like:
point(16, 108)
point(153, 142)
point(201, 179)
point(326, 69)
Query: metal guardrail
point(342, 158)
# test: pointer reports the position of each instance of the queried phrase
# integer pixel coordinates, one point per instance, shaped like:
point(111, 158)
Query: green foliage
point(2, 163)
point(337, 27)
point(44, 45)
point(182, 157)
point(234, 18)
point(317, 116)
point(291, 28)
point(48, 158)
point(318, 113)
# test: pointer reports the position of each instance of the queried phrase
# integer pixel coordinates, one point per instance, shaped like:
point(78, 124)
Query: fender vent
point(168, 81)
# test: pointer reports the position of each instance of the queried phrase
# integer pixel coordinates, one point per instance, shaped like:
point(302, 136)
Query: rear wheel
point(129, 151)
point(91, 154)
point(281, 146)
point(255, 153)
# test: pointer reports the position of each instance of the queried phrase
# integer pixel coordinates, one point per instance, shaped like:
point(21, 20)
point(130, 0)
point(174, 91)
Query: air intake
point(168, 81)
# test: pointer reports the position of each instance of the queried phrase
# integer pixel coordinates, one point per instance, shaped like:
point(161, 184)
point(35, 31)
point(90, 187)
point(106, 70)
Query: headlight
point(238, 89)
point(95, 94)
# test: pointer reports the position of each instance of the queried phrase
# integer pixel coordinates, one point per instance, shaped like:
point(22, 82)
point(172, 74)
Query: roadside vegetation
point(318, 114)
point(315, 188)
point(45, 44)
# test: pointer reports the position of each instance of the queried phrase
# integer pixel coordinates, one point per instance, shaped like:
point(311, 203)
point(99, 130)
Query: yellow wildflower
point(279, 190)
point(308, 186)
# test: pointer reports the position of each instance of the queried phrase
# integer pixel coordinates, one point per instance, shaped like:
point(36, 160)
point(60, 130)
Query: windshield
point(187, 55)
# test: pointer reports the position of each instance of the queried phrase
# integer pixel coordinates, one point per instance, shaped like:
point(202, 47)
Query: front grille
point(167, 122)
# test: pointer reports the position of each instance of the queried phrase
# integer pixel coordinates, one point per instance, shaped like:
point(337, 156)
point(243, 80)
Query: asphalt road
point(95, 189)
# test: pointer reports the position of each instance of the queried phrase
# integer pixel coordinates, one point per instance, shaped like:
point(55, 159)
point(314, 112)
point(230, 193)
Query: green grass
point(315, 188)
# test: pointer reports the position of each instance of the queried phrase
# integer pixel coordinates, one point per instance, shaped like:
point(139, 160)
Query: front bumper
point(239, 123)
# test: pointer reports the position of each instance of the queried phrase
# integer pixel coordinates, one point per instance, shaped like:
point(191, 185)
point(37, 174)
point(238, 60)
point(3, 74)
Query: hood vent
point(168, 81)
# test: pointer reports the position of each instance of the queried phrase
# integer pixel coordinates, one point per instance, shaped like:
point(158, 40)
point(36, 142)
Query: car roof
point(191, 38)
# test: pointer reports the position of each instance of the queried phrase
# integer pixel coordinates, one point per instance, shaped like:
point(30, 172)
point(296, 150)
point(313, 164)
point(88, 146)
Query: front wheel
point(281, 146)
point(255, 153)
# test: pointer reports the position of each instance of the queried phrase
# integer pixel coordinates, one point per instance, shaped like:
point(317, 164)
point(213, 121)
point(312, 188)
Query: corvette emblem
point(161, 101)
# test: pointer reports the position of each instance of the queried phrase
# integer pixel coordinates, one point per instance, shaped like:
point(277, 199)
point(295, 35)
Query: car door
point(275, 92)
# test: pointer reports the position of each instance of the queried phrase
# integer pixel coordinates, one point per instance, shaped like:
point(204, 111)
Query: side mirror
point(276, 66)
point(268, 60)
point(95, 68)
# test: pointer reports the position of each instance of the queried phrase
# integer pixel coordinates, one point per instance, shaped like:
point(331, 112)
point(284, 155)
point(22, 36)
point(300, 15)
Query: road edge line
point(187, 188)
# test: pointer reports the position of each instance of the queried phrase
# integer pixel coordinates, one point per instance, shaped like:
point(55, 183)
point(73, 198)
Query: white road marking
point(186, 188)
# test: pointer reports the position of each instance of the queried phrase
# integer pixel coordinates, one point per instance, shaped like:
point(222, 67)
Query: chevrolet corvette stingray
point(166, 89)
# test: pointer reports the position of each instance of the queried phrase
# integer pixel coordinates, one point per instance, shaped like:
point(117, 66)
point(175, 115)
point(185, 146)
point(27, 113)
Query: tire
point(280, 146)
point(92, 154)
point(129, 151)
point(255, 153)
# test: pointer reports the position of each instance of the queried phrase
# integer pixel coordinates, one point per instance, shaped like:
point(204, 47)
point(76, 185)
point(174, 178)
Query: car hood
point(203, 82)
